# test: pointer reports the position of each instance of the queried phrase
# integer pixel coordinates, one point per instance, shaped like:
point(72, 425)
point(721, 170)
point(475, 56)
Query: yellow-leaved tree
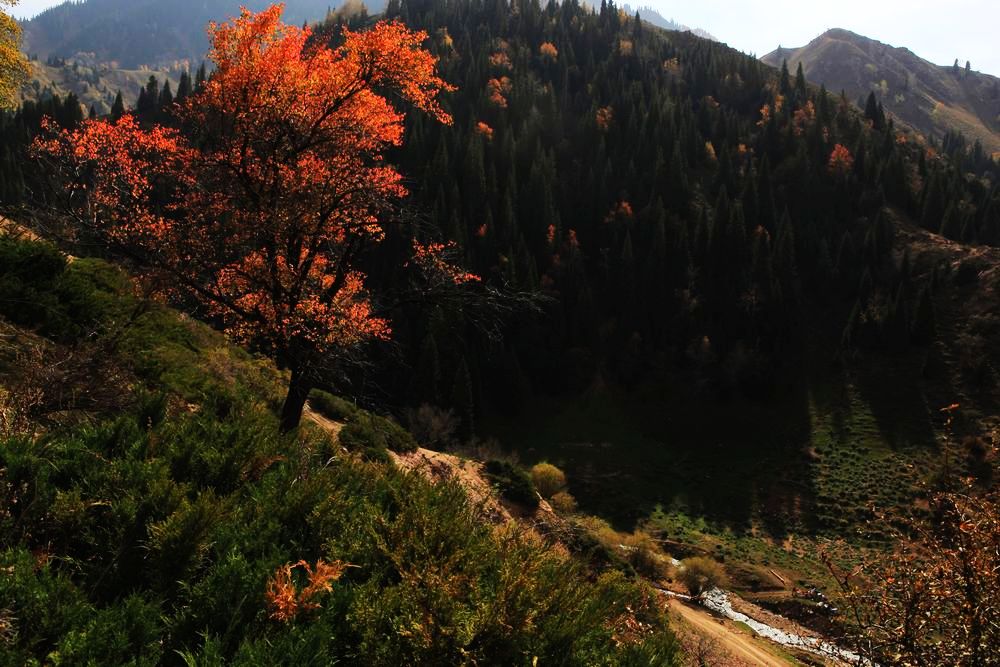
point(13, 65)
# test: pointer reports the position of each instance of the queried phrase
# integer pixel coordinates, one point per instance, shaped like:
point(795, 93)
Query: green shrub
point(514, 484)
point(333, 407)
point(150, 537)
point(645, 555)
point(361, 438)
point(548, 479)
point(38, 291)
point(371, 435)
point(363, 432)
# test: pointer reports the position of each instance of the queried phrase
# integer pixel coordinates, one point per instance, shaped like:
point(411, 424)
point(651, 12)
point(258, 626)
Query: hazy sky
point(935, 30)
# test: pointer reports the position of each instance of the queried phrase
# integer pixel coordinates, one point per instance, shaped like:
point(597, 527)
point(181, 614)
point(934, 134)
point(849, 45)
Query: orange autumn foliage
point(803, 118)
point(285, 601)
point(432, 259)
point(485, 130)
point(497, 89)
point(501, 60)
point(765, 115)
point(548, 51)
point(841, 161)
point(261, 211)
point(622, 211)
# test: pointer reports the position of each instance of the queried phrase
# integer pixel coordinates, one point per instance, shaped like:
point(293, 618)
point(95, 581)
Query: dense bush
point(332, 407)
point(197, 514)
point(513, 482)
point(363, 432)
point(149, 537)
point(548, 479)
point(37, 291)
point(563, 502)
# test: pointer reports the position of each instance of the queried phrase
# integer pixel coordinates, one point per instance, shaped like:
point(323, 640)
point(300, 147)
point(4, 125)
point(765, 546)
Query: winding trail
point(741, 646)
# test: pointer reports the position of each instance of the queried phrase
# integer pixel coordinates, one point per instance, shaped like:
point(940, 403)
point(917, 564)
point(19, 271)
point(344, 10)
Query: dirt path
point(328, 425)
point(741, 646)
point(439, 467)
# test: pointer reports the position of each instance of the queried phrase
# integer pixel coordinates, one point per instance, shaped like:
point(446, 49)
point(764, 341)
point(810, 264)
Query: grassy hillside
point(149, 508)
point(931, 98)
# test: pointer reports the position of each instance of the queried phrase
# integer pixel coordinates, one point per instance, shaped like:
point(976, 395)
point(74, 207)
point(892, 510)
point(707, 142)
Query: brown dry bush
point(702, 574)
point(936, 599)
point(286, 601)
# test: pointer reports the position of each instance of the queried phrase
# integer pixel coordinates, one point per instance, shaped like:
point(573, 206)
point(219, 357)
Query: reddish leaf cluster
point(285, 601)
point(622, 211)
point(803, 118)
point(936, 599)
point(497, 89)
point(548, 51)
point(765, 115)
point(432, 260)
point(841, 161)
point(501, 60)
point(261, 211)
point(485, 130)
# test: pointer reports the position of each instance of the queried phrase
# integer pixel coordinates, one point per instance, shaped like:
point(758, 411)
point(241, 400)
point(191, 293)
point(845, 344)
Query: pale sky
point(935, 30)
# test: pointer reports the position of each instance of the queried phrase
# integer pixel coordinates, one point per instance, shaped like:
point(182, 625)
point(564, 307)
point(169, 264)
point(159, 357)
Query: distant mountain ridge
point(931, 98)
point(650, 15)
point(135, 33)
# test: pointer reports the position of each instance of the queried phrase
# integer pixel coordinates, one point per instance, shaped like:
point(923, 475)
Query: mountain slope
point(133, 33)
point(932, 98)
point(152, 522)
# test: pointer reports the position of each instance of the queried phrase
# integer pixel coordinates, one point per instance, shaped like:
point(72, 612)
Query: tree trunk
point(295, 401)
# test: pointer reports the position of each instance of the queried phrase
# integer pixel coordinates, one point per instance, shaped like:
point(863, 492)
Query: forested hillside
point(754, 325)
point(685, 209)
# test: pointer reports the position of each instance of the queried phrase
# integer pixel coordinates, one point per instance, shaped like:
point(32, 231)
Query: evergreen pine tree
point(183, 87)
point(785, 85)
point(118, 108)
point(166, 98)
point(801, 93)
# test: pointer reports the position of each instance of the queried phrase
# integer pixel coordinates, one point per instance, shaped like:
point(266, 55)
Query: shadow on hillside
point(729, 461)
point(893, 391)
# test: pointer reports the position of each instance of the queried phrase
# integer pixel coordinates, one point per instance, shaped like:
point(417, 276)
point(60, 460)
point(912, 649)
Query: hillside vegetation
point(708, 236)
point(717, 305)
point(148, 522)
point(934, 99)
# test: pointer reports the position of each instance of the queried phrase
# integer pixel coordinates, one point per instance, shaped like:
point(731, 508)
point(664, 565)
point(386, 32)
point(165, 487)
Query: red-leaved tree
point(260, 206)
